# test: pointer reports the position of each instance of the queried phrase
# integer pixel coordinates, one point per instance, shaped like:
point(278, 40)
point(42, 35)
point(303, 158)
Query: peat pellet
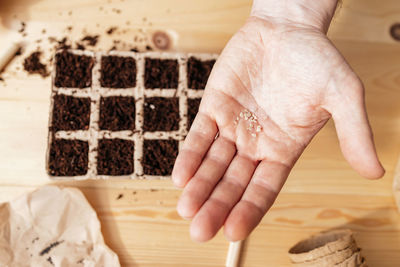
point(198, 72)
point(330, 259)
point(193, 108)
point(115, 157)
point(117, 113)
point(354, 260)
point(161, 73)
point(159, 156)
point(64, 152)
point(118, 72)
point(161, 114)
point(72, 70)
point(70, 113)
point(321, 245)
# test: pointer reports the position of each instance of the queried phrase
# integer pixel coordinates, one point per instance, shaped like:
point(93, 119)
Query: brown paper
point(52, 226)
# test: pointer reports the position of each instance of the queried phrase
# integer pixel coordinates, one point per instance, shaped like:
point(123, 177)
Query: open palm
point(272, 89)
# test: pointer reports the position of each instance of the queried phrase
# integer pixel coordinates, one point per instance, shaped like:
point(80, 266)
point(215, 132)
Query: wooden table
point(142, 227)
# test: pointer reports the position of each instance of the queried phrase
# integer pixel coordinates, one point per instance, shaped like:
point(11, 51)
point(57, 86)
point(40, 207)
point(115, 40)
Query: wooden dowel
point(234, 251)
point(8, 52)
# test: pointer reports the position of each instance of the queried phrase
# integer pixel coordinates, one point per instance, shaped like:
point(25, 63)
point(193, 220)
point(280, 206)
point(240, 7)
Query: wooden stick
point(8, 52)
point(234, 251)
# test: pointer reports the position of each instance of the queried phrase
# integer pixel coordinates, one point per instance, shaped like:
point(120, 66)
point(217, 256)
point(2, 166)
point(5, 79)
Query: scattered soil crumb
point(33, 65)
point(80, 46)
point(116, 10)
point(50, 247)
point(91, 40)
point(23, 26)
point(50, 261)
point(61, 44)
point(111, 30)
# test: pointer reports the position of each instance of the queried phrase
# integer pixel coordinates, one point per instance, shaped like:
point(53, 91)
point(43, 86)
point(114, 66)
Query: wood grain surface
point(138, 218)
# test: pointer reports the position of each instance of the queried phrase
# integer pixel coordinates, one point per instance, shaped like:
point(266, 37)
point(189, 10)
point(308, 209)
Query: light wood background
point(143, 227)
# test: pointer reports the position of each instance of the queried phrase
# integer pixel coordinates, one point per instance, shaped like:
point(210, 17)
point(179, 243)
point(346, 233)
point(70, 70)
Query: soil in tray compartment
point(70, 113)
point(193, 108)
point(159, 156)
point(118, 72)
point(68, 157)
point(198, 72)
point(161, 73)
point(73, 71)
point(115, 157)
point(161, 114)
point(117, 113)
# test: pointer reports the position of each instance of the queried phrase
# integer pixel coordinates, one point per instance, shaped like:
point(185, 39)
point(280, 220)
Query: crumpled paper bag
point(52, 226)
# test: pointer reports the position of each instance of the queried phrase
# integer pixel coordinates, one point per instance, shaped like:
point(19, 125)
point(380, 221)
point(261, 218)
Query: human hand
point(275, 85)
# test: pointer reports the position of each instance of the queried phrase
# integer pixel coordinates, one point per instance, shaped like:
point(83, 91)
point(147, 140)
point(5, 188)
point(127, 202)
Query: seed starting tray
point(122, 114)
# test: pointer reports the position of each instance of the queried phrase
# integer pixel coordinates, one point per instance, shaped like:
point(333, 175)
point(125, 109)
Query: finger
point(259, 196)
point(354, 132)
point(198, 141)
point(227, 193)
point(211, 170)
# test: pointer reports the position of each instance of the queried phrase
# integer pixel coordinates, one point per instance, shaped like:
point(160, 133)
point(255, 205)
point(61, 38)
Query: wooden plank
point(366, 20)
point(142, 226)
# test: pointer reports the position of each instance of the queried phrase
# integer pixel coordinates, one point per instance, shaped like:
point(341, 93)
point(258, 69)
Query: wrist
point(311, 13)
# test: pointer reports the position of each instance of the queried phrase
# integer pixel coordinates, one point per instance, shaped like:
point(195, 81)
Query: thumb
point(353, 129)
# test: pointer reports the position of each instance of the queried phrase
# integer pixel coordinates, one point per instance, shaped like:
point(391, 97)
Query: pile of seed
point(253, 127)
